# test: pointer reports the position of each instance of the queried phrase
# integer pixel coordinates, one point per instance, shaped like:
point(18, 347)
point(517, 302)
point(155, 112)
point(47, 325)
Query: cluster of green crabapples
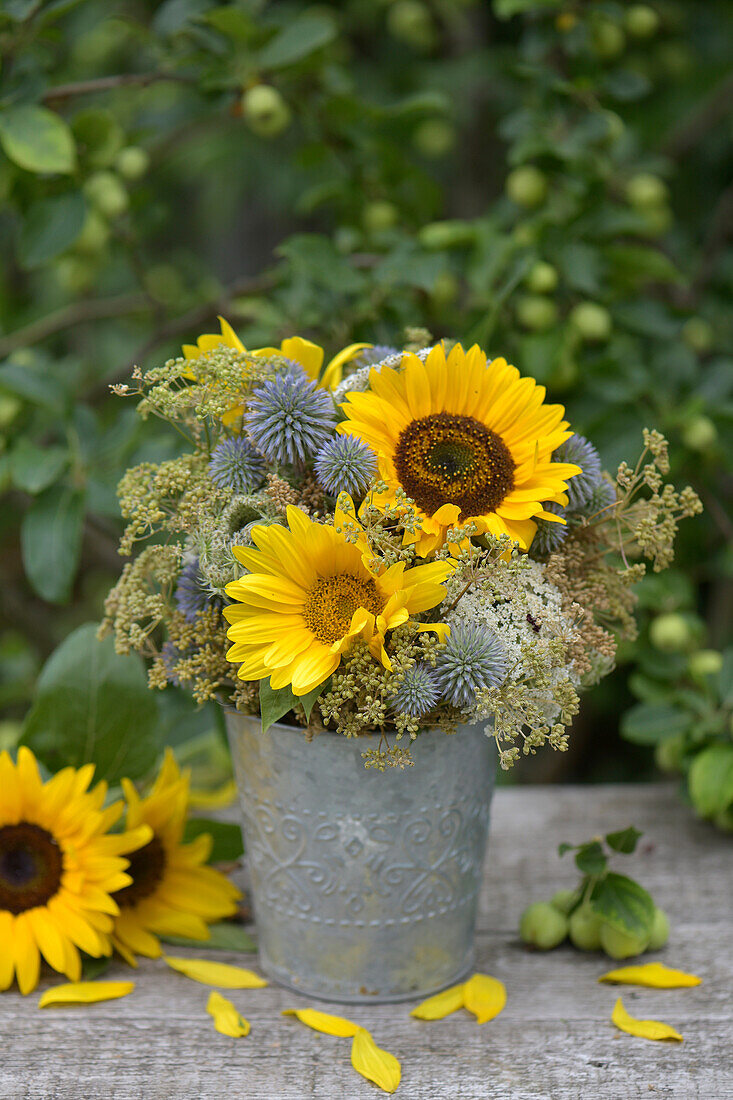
point(547, 924)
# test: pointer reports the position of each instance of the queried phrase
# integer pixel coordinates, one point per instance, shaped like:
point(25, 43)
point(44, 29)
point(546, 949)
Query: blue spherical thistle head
point(549, 536)
point(376, 354)
point(601, 500)
point(192, 595)
point(235, 465)
point(580, 451)
point(289, 418)
point(471, 659)
point(418, 693)
point(345, 464)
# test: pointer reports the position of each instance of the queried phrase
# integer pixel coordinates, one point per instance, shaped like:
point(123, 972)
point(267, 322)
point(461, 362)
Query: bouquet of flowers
point(407, 539)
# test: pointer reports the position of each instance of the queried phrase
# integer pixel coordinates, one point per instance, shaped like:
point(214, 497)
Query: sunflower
point(468, 441)
point(172, 893)
point(304, 352)
point(310, 593)
point(59, 869)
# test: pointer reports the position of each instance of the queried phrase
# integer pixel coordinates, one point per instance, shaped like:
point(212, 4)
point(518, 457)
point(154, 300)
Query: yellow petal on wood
point(654, 975)
point(644, 1029)
point(484, 996)
point(215, 973)
point(376, 1065)
point(227, 1020)
point(323, 1021)
point(84, 993)
point(441, 1005)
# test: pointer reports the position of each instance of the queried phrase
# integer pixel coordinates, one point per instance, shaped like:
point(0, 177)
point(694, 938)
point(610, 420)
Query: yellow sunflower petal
point(376, 1065)
point(484, 996)
point(215, 973)
point(227, 1019)
point(441, 1005)
point(643, 1029)
point(25, 954)
point(324, 1021)
point(655, 975)
point(84, 993)
point(334, 372)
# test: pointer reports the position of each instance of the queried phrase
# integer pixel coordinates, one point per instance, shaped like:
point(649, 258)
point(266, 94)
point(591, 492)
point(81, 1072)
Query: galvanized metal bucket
point(365, 884)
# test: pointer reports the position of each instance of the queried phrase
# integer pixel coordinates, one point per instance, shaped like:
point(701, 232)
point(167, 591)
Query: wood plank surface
point(554, 1039)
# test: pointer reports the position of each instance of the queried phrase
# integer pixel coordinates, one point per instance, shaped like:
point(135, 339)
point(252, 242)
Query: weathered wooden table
point(554, 1039)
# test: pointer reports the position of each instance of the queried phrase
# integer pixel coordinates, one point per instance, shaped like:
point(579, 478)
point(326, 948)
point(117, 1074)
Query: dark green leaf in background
point(50, 538)
point(648, 723)
point(51, 226)
point(226, 936)
point(297, 39)
point(93, 705)
point(35, 468)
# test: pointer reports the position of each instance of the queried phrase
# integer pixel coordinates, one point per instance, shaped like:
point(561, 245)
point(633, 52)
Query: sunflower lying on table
point(68, 885)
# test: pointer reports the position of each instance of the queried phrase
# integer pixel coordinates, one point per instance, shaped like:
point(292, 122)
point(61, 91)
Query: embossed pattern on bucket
point(365, 884)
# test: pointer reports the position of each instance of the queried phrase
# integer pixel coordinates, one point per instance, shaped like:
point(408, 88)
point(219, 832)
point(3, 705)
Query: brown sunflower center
point(449, 459)
point(332, 601)
point(31, 863)
point(147, 867)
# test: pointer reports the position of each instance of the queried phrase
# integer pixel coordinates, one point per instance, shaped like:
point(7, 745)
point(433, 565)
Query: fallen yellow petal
point(84, 993)
point(214, 973)
point(226, 1018)
point(323, 1021)
point(484, 996)
point(376, 1065)
point(654, 975)
point(644, 1029)
point(441, 1005)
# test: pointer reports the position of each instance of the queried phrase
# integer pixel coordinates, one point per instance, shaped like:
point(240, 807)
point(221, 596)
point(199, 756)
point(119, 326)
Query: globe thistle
point(192, 594)
point(549, 536)
point(345, 464)
point(375, 355)
point(600, 500)
point(290, 418)
point(236, 466)
point(579, 450)
point(418, 692)
point(471, 659)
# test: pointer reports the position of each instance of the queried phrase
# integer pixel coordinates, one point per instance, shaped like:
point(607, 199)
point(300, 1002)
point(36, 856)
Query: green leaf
point(94, 706)
point(232, 22)
point(297, 39)
point(648, 723)
point(581, 267)
point(276, 704)
point(226, 936)
point(50, 539)
point(35, 468)
point(589, 858)
point(725, 678)
point(505, 9)
point(711, 780)
point(564, 847)
point(624, 841)
point(91, 968)
point(638, 265)
point(37, 139)
point(36, 386)
point(227, 837)
point(51, 226)
point(623, 904)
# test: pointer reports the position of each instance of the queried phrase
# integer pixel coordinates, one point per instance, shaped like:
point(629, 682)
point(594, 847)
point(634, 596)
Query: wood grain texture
point(554, 1040)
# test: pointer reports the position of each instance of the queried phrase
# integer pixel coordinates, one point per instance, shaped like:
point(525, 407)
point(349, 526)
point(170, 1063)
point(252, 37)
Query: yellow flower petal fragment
point(323, 1021)
point(376, 1065)
point(214, 973)
point(441, 1005)
point(644, 1029)
point(653, 975)
point(227, 1020)
point(484, 996)
point(84, 993)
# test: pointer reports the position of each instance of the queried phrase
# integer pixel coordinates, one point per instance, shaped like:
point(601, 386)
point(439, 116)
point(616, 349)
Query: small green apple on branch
point(605, 912)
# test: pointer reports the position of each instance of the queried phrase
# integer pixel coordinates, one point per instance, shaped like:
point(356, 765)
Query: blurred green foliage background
point(550, 179)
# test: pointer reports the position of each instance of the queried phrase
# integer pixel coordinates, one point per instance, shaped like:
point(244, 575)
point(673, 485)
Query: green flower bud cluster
point(588, 915)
